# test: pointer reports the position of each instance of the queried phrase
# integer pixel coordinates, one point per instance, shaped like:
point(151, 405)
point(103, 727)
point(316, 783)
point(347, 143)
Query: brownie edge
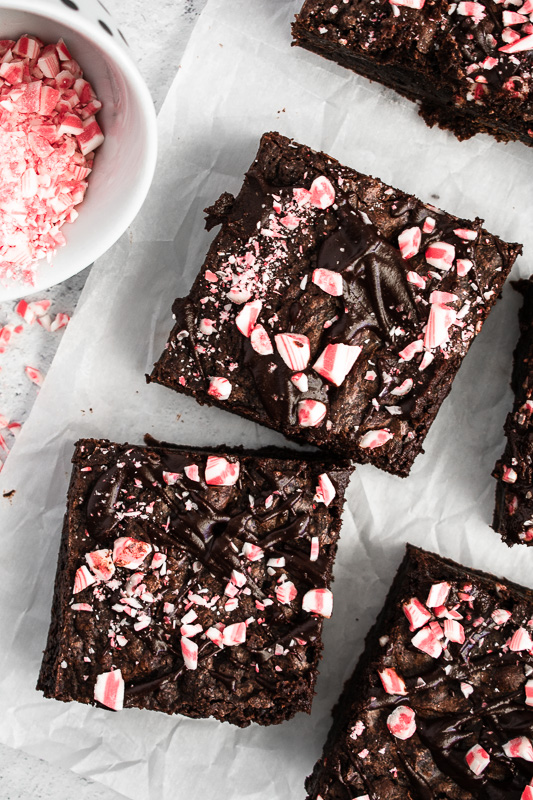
point(439, 703)
point(194, 581)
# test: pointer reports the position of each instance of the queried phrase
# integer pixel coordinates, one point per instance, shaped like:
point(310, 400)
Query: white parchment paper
point(239, 78)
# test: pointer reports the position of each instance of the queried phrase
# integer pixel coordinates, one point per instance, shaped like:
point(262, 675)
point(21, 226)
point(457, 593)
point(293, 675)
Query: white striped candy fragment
point(294, 350)
point(234, 634)
point(519, 748)
point(109, 689)
point(260, 341)
point(300, 380)
point(442, 298)
point(454, 631)
point(216, 636)
point(286, 592)
point(409, 240)
point(416, 279)
point(325, 491)
point(527, 794)
point(82, 579)
point(373, 439)
point(130, 553)
point(81, 607)
point(403, 389)
point(520, 640)
point(322, 193)
point(466, 234)
point(192, 472)
point(501, 616)
point(101, 564)
point(392, 682)
point(509, 475)
point(440, 255)
point(410, 351)
point(440, 319)
point(315, 548)
point(528, 688)
point(158, 560)
point(318, 601)
point(207, 326)
point(336, 361)
point(429, 225)
point(252, 552)
point(477, 759)
point(471, 9)
point(239, 294)
point(189, 651)
point(329, 281)
point(427, 642)
point(171, 478)
point(416, 613)
point(438, 594)
point(526, 43)
point(513, 18)
point(188, 631)
point(221, 472)
point(463, 266)
point(311, 413)
point(247, 317)
point(219, 388)
point(418, 4)
point(401, 723)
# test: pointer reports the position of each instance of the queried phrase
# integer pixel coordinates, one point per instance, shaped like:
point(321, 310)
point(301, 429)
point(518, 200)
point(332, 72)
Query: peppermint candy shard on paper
point(336, 361)
point(318, 601)
point(109, 690)
point(221, 472)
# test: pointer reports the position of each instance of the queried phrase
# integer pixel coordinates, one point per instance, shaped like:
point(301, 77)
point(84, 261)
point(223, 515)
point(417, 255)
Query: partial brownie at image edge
point(194, 581)
point(439, 704)
point(513, 511)
point(467, 65)
point(333, 308)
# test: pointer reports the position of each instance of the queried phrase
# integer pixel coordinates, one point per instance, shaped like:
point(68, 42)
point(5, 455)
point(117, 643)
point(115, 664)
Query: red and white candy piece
point(440, 319)
point(329, 281)
point(509, 475)
point(427, 641)
point(34, 375)
point(301, 381)
point(315, 548)
point(401, 722)
point(519, 748)
point(336, 361)
point(409, 242)
point(221, 472)
point(392, 682)
point(418, 4)
point(171, 478)
point(286, 592)
point(410, 351)
point(130, 553)
point(325, 491)
point(373, 439)
point(311, 413)
point(318, 601)
point(322, 193)
point(477, 759)
point(416, 279)
point(260, 341)
point(429, 225)
point(247, 317)
point(520, 640)
point(239, 294)
point(294, 350)
point(501, 616)
point(109, 690)
point(219, 387)
point(440, 255)
point(526, 43)
point(438, 594)
point(252, 551)
point(463, 266)
point(216, 636)
point(454, 631)
point(403, 389)
point(529, 692)
point(527, 794)
point(101, 564)
point(192, 472)
point(234, 634)
point(513, 18)
point(416, 613)
point(82, 579)
point(189, 651)
point(206, 326)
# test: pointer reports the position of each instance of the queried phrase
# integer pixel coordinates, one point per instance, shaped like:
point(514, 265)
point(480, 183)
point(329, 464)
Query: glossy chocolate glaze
point(450, 719)
point(144, 493)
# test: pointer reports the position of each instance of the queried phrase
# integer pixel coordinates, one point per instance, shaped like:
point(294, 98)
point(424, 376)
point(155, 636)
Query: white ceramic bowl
point(124, 164)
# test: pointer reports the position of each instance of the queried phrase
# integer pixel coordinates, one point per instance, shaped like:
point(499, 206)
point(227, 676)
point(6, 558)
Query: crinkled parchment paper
point(239, 78)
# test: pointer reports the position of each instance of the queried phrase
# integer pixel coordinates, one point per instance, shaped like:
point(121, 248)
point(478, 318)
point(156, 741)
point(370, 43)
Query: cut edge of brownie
point(51, 671)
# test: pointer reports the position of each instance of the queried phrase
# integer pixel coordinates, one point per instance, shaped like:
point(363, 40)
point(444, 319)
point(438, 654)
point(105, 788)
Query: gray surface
point(157, 33)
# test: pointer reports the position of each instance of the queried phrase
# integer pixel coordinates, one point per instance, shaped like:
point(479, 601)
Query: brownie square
point(332, 307)
point(194, 581)
point(439, 705)
point(513, 512)
point(468, 64)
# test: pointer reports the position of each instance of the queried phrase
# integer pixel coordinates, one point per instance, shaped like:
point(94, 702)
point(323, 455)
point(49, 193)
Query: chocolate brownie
point(513, 513)
point(332, 307)
point(194, 581)
point(469, 64)
point(440, 704)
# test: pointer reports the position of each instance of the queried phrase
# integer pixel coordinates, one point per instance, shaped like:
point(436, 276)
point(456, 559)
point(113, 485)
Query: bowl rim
point(124, 61)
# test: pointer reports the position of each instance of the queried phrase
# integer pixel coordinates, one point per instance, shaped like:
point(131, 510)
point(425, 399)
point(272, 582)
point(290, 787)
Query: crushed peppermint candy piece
point(101, 564)
point(525, 43)
point(192, 472)
point(501, 616)
point(109, 689)
point(372, 439)
point(318, 601)
point(441, 318)
point(130, 553)
point(392, 682)
point(82, 579)
point(221, 472)
point(315, 548)
point(418, 4)
point(416, 613)
point(409, 242)
point(234, 634)
point(171, 478)
point(520, 640)
point(454, 631)
point(219, 388)
point(286, 592)
point(438, 594)
point(401, 722)
point(329, 281)
point(260, 341)
point(294, 350)
point(529, 692)
point(247, 317)
point(216, 636)
point(33, 374)
point(301, 381)
point(252, 551)
point(322, 193)
point(416, 279)
point(427, 642)
point(463, 266)
point(403, 389)
point(336, 361)
point(325, 491)
point(440, 255)
point(519, 748)
point(477, 759)
point(189, 651)
point(409, 352)
point(311, 413)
